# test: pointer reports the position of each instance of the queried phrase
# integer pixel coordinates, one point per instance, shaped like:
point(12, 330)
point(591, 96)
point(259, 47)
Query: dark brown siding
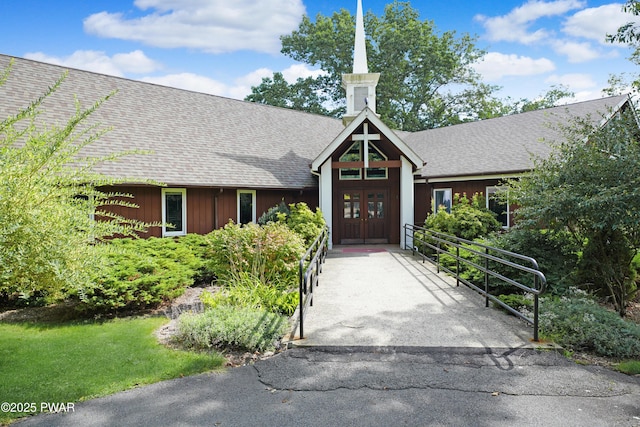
point(149, 202)
point(457, 187)
point(200, 205)
point(207, 208)
point(421, 203)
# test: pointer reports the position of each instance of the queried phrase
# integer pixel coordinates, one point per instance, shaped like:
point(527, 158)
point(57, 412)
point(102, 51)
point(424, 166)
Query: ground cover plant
point(232, 327)
point(579, 323)
point(88, 359)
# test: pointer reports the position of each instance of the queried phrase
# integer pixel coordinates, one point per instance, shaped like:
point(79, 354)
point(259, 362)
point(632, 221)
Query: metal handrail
point(310, 266)
point(436, 242)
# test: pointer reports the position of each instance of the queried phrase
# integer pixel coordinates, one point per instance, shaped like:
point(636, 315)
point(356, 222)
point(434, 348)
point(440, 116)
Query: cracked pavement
point(372, 386)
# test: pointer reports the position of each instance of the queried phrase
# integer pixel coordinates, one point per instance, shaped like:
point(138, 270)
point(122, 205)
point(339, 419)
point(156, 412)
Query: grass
point(631, 367)
point(78, 361)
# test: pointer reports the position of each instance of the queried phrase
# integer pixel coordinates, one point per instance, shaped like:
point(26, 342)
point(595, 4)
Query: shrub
point(304, 221)
point(468, 219)
point(138, 273)
point(271, 252)
point(554, 252)
point(520, 302)
point(231, 327)
point(246, 290)
point(606, 267)
point(273, 214)
point(580, 324)
point(201, 248)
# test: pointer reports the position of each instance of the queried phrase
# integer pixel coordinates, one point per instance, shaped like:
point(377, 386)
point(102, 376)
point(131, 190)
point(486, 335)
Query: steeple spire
point(361, 84)
point(360, 50)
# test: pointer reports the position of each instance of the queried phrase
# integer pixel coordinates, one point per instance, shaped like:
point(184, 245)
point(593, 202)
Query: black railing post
point(457, 266)
point(486, 278)
point(536, 309)
point(301, 300)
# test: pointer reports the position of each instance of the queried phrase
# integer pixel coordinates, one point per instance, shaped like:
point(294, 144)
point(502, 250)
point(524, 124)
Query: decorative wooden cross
point(366, 137)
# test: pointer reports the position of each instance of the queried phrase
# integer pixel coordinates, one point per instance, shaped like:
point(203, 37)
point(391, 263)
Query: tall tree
point(628, 34)
point(590, 186)
point(427, 79)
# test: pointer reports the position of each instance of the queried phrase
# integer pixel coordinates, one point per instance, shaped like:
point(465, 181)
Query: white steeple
point(361, 85)
point(360, 51)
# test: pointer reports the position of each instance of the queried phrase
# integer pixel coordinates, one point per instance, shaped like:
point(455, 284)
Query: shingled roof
point(196, 139)
point(503, 145)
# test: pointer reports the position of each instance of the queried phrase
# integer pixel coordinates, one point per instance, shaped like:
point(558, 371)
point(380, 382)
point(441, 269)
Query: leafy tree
point(493, 107)
point(48, 198)
point(304, 94)
point(628, 34)
point(590, 187)
point(426, 78)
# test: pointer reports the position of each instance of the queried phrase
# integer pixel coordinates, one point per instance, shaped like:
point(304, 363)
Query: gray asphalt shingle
point(501, 145)
point(196, 139)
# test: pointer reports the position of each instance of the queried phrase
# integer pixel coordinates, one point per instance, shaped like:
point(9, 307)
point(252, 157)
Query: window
point(376, 155)
point(495, 204)
point(354, 154)
point(174, 211)
point(246, 206)
point(441, 199)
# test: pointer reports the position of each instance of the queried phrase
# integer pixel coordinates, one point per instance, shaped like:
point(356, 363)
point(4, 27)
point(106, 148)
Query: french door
point(364, 216)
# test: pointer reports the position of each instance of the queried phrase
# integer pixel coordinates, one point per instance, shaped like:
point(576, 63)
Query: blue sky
point(224, 47)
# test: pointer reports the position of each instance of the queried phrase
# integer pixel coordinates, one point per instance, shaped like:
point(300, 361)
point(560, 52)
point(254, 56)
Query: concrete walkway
point(385, 296)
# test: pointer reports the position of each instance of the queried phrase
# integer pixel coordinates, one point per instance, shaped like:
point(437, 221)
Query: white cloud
point(574, 81)
point(496, 65)
point(135, 62)
point(239, 89)
point(189, 81)
point(300, 71)
point(575, 51)
point(214, 26)
point(515, 26)
point(100, 62)
point(596, 22)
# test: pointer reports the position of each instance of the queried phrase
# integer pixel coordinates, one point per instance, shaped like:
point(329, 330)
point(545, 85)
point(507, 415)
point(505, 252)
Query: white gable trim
point(366, 114)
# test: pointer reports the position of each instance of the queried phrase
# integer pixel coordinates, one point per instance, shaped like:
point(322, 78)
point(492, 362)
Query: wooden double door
point(364, 216)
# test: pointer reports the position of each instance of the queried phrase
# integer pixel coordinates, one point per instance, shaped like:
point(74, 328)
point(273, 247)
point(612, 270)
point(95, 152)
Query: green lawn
point(78, 361)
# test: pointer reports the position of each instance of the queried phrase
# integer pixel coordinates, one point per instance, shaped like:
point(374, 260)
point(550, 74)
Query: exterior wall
point(424, 193)
point(207, 208)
